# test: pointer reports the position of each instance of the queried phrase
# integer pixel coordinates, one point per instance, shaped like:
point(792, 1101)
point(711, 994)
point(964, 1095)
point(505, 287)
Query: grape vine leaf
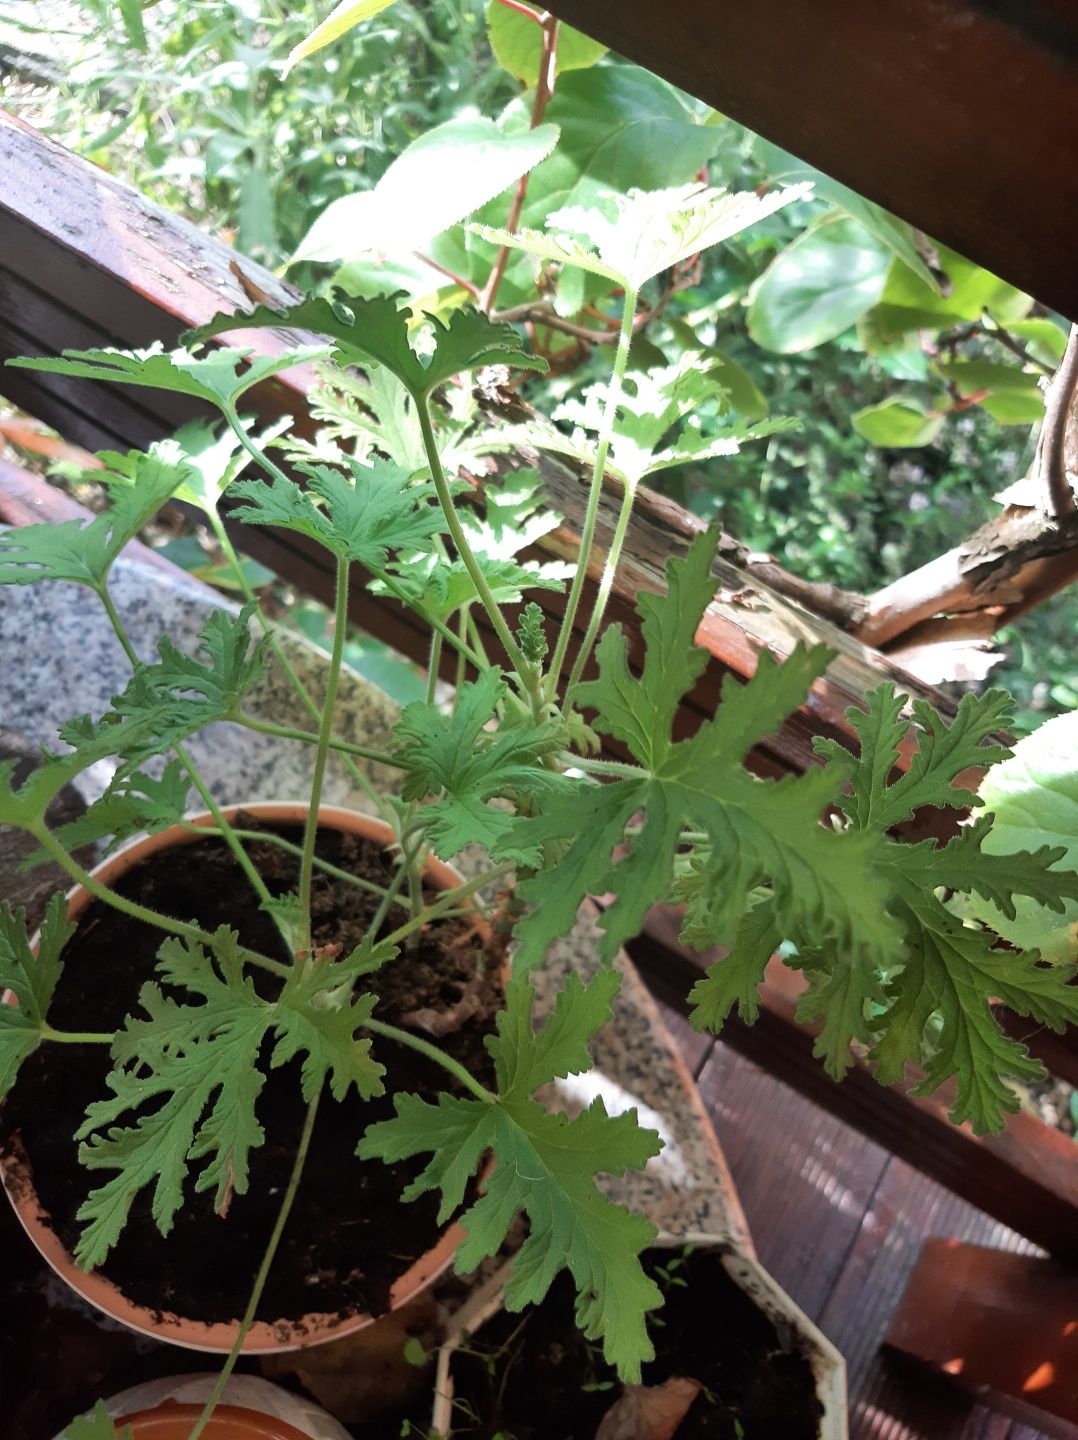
point(362, 516)
point(937, 1001)
point(200, 1063)
point(97, 1425)
point(754, 830)
point(31, 978)
point(544, 1166)
point(377, 329)
point(84, 552)
point(456, 758)
point(219, 377)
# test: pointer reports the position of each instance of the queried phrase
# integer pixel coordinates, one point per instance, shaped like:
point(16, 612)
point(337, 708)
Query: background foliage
point(913, 373)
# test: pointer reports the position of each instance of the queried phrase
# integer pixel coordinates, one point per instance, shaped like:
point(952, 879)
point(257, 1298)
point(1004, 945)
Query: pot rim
point(229, 1422)
point(828, 1364)
point(264, 1337)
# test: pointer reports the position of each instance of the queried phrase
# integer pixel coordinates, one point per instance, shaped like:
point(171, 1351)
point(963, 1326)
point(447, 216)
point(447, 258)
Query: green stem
point(619, 768)
point(434, 666)
point(48, 842)
point(75, 1037)
point(118, 625)
point(340, 628)
point(449, 900)
point(399, 593)
point(297, 850)
point(228, 834)
point(310, 737)
point(188, 764)
point(224, 540)
point(526, 672)
point(606, 584)
point(257, 455)
point(263, 1271)
point(405, 1037)
point(591, 515)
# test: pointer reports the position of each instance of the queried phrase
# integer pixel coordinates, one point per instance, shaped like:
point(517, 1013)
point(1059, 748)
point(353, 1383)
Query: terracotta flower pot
point(264, 1337)
point(252, 1409)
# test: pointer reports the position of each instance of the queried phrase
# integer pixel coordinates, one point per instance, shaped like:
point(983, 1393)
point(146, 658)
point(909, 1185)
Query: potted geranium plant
point(219, 990)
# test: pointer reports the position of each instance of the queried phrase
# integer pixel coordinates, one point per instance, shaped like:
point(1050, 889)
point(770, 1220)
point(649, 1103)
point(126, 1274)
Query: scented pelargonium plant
point(511, 768)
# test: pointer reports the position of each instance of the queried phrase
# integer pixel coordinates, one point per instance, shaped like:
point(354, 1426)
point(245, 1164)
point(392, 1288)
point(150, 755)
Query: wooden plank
point(1000, 1325)
point(804, 1177)
point(118, 268)
point(959, 115)
point(1027, 1177)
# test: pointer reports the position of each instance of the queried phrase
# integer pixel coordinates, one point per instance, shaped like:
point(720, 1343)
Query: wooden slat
point(839, 1223)
point(959, 115)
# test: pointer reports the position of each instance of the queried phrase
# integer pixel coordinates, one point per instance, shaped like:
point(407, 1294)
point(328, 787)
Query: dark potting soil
point(349, 1236)
point(533, 1376)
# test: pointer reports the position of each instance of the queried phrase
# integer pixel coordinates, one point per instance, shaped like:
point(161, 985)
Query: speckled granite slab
point(59, 658)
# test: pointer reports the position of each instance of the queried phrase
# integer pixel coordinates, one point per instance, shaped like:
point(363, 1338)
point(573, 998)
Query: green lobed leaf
point(938, 1000)
point(31, 978)
point(736, 979)
point(544, 1167)
point(197, 1066)
point(220, 377)
point(646, 232)
point(84, 552)
point(364, 514)
point(1032, 798)
point(377, 329)
point(755, 830)
point(133, 804)
point(96, 1425)
point(456, 758)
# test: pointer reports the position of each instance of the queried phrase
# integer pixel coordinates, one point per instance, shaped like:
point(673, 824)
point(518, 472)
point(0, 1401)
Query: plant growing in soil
point(511, 767)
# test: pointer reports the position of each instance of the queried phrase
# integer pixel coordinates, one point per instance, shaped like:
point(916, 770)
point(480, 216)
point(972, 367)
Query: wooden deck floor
point(838, 1221)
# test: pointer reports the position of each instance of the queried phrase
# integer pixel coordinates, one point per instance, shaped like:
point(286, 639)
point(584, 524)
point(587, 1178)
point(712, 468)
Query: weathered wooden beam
point(1004, 1327)
point(959, 115)
point(85, 260)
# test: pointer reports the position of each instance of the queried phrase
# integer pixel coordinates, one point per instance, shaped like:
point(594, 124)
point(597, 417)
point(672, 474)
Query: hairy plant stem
point(452, 898)
point(269, 838)
point(340, 628)
point(405, 1037)
point(526, 673)
point(75, 1037)
point(310, 737)
point(623, 769)
point(242, 858)
point(587, 536)
point(48, 842)
point(220, 530)
point(433, 666)
point(263, 1270)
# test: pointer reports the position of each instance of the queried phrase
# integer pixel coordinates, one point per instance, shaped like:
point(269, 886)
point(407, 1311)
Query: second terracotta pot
point(265, 1337)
